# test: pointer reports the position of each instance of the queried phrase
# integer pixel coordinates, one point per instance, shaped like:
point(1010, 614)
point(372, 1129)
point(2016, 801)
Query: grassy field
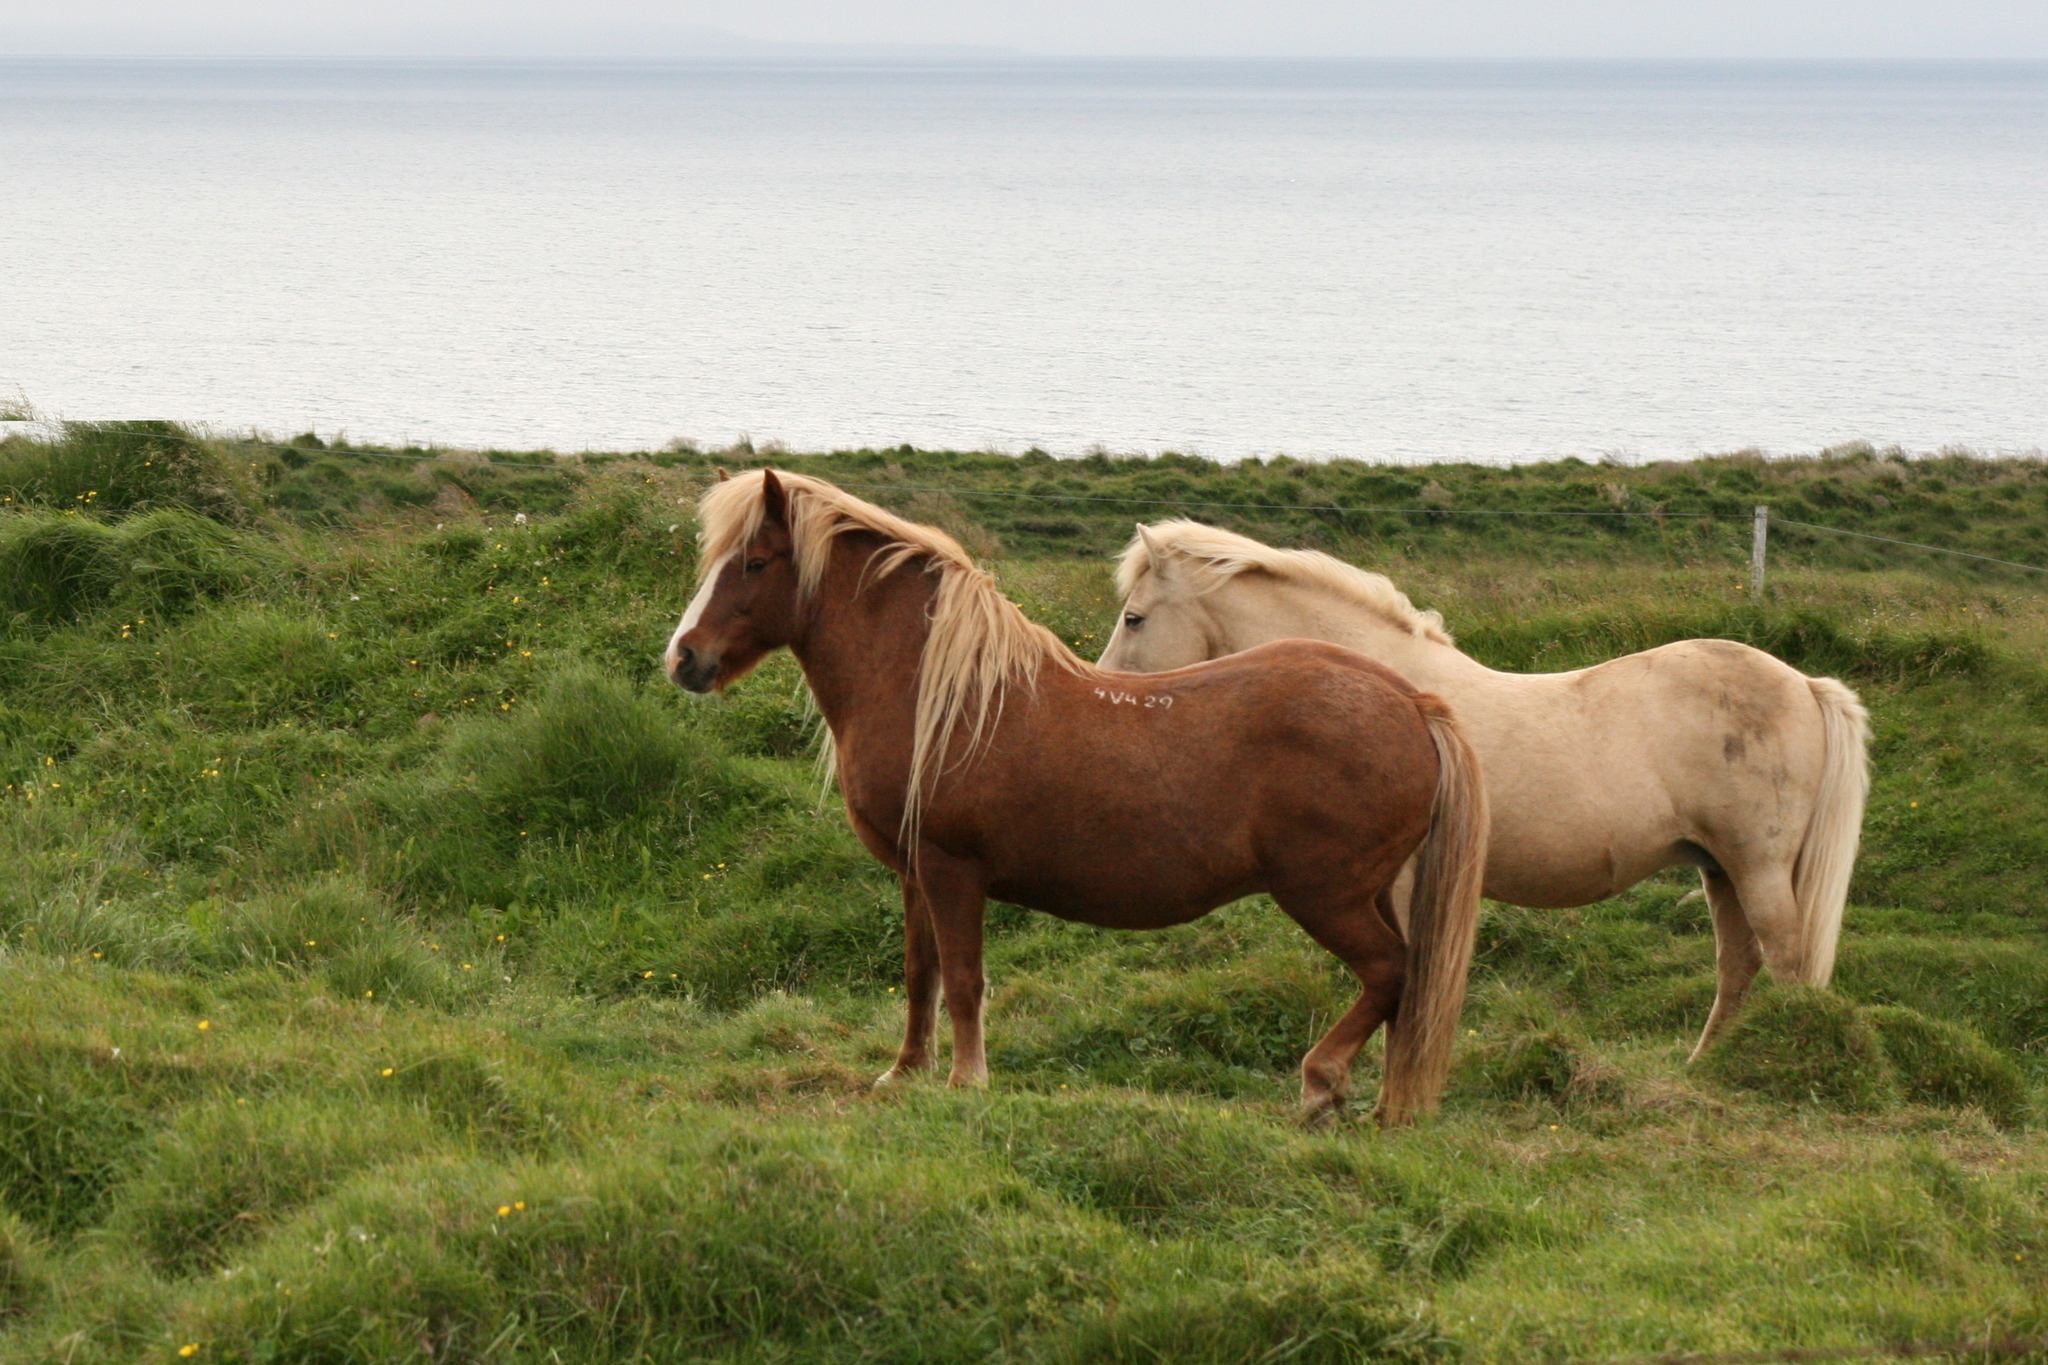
point(395, 969)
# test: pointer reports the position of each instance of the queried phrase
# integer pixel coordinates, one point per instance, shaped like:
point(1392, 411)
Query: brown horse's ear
point(773, 499)
point(722, 474)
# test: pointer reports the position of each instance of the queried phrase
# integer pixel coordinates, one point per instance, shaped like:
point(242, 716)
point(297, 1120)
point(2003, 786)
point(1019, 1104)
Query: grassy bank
point(394, 969)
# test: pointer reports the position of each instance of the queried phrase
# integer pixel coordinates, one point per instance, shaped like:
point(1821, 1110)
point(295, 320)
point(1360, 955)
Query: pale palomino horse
point(1705, 752)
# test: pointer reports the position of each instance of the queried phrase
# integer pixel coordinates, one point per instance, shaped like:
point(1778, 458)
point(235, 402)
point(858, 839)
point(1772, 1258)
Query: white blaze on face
point(691, 617)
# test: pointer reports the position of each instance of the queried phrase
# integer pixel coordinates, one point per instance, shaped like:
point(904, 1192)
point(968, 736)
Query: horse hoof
point(1319, 1111)
point(892, 1079)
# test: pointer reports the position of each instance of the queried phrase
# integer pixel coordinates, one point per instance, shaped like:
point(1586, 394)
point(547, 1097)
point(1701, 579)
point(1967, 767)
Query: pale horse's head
point(1166, 621)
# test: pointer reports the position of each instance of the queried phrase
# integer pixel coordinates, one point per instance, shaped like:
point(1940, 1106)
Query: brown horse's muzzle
point(690, 670)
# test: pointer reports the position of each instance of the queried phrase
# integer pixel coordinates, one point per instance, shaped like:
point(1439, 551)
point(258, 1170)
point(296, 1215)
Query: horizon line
point(938, 54)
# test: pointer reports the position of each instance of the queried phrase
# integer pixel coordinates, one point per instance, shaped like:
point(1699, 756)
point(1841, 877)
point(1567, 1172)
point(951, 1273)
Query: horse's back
point(1727, 686)
point(1731, 732)
point(1308, 702)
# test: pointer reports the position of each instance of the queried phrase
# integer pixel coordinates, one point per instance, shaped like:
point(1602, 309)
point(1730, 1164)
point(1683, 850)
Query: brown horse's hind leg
point(1362, 936)
point(955, 901)
point(920, 987)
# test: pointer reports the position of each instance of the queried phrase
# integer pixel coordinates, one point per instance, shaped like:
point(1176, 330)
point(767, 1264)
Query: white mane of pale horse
point(1216, 555)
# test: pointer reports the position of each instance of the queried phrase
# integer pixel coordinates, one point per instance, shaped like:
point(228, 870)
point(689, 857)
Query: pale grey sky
point(1251, 28)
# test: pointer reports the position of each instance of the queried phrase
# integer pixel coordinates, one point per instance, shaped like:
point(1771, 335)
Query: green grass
point(396, 969)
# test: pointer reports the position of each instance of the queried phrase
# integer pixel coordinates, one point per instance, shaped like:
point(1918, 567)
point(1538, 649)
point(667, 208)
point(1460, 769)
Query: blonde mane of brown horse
point(980, 644)
point(1218, 554)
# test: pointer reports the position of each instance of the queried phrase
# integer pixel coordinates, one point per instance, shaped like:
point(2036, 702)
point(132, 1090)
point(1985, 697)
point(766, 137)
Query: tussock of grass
point(791, 1242)
point(587, 752)
point(73, 1115)
point(118, 468)
point(1802, 1045)
point(55, 567)
point(1949, 1065)
point(1995, 986)
point(1532, 1052)
point(228, 1172)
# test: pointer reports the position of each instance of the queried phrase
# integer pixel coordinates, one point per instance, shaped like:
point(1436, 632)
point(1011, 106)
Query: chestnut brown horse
point(979, 757)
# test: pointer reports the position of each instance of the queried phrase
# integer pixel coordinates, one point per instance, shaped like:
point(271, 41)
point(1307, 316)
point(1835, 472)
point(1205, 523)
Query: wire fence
point(1182, 504)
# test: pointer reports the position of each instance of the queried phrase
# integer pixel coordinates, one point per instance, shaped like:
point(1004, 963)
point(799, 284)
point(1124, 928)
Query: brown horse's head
point(746, 606)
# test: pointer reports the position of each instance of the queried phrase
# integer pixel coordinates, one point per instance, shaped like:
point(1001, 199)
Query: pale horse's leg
point(920, 987)
point(1399, 894)
point(1756, 923)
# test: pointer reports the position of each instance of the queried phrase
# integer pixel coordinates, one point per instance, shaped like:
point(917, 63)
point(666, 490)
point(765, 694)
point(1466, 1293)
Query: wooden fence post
point(1758, 537)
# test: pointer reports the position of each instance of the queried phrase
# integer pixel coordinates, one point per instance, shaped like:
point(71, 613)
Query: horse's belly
point(1548, 886)
point(1113, 903)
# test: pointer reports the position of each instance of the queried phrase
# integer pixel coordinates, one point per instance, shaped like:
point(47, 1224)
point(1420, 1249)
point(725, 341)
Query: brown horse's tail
point(1820, 879)
point(1443, 920)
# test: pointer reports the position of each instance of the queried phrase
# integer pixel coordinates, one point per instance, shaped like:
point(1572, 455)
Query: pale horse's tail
point(1443, 920)
point(1820, 879)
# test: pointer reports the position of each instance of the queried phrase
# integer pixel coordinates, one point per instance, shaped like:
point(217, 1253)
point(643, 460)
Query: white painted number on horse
point(1151, 701)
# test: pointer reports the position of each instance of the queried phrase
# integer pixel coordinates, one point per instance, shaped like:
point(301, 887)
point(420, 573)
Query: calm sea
point(1403, 262)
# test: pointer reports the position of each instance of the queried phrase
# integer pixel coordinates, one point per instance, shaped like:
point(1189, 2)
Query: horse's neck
point(860, 650)
point(1281, 612)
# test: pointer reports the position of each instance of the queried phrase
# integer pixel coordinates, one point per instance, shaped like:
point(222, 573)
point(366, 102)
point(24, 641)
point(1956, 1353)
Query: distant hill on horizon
point(653, 40)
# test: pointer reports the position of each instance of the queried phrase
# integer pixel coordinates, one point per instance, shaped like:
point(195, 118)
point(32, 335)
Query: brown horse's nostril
point(689, 671)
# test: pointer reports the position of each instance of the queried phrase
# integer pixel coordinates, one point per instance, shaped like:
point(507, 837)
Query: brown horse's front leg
point(955, 900)
point(920, 987)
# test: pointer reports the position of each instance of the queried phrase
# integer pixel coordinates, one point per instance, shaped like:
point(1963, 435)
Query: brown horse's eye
point(756, 565)
point(1132, 620)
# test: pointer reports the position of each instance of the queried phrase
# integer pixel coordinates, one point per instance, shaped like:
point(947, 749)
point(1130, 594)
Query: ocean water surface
point(1392, 261)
